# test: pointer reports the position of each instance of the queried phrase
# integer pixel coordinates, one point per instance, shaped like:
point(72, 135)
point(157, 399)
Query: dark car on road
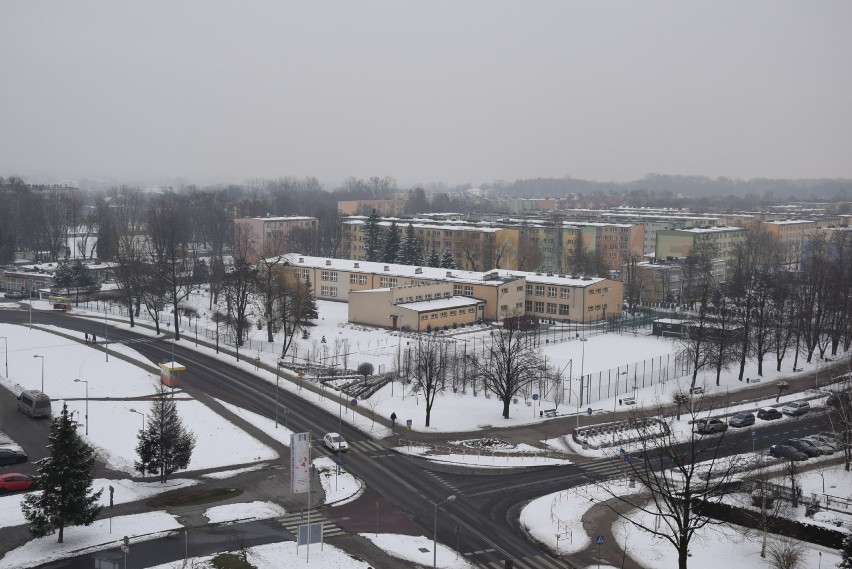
point(809, 449)
point(769, 413)
point(741, 420)
point(16, 294)
point(710, 426)
point(11, 456)
point(788, 452)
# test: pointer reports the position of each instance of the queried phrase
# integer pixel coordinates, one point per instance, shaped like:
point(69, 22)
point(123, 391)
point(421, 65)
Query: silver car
point(826, 445)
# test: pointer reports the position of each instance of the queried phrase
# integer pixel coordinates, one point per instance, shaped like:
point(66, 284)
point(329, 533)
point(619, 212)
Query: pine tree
point(165, 446)
point(373, 236)
point(65, 480)
point(434, 260)
point(447, 260)
point(309, 310)
point(410, 252)
point(846, 553)
point(391, 246)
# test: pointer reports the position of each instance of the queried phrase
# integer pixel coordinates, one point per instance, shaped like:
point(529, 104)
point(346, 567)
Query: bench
point(756, 380)
point(549, 413)
point(697, 390)
point(629, 401)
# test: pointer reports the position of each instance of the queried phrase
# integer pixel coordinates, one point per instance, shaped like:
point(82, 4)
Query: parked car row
point(746, 419)
point(806, 447)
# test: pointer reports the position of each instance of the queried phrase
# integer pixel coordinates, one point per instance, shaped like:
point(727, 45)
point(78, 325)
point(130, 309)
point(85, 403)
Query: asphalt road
point(478, 522)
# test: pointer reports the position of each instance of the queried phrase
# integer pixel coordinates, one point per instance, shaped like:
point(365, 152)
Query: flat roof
point(441, 303)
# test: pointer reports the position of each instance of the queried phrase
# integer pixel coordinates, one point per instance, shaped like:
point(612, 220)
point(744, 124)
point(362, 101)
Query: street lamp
point(277, 377)
point(582, 366)
point(42, 371)
point(435, 531)
point(139, 413)
point(87, 402)
point(6, 345)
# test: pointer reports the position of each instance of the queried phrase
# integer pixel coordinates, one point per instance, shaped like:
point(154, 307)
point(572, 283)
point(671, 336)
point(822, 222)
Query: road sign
point(589, 411)
point(111, 492)
point(309, 533)
point(754, 434)
point(535, 397)
point(354, 402)
point(600, 539)
point(408, 424)
point(125, 548)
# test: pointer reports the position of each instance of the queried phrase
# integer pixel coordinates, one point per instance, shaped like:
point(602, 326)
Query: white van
point(34, 403)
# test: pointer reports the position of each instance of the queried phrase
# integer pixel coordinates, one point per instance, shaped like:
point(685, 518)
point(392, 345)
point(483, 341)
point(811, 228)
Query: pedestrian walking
point(87, 337)
point(393, 419)
point(94, 339)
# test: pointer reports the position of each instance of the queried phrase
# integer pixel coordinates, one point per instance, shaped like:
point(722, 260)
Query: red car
point(769, 413)
point(14, 481)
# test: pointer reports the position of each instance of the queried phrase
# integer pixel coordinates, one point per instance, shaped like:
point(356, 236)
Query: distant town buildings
point(262, 236)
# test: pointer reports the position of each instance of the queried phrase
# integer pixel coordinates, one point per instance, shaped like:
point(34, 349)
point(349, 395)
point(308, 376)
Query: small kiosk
point(169, 373)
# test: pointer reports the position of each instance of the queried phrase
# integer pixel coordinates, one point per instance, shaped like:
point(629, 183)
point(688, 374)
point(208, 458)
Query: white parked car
point(796, 408)
point(335, 443)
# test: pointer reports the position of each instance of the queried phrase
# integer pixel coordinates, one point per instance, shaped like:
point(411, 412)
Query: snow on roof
point(670, 321)
point(284, 218)
point(425, 224)
point(494, 277)
point(787, 222)
point(711, 229)
point(440, 303)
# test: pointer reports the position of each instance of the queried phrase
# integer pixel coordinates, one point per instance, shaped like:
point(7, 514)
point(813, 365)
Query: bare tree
point(510, 362)
point(431, 365)
point(677, 475)
point(786, 554)
point(240, 286)
point(697, 344)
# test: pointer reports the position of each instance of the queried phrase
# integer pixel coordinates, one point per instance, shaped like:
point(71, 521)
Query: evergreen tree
point(846, 553)
point(410, 252)
point(309, 307)
point(447, 260)
point(65, 480)
point(391, 246)
point(434, 260)
point(165, 446)
point(373, 236)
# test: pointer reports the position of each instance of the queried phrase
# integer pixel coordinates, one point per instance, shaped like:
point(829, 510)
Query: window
point(468, 290)
point(452, 312)
point(603, 306)
point(304, 273)
point(383, 282)
point(362, 279)
point(519, 304)
point(551, 308)
point(551, 291)
point(520, 289)
point(563, 310)
point(504, 307)
point(334, 276)
point(424, 317)
point(443, 315)
point(505, 289)
point(353, 279)
point(457, 289)
point(539, 290)
point(539, 306)
point(427, 296)
point(590, 309)
point(597, 307)
point(325, 275)
point(563, 293)
point(324, 291)
point(528, 306)
point(418, 297)
point(529, 289)
point(471, 310)
point(434, 315)
point(392, 283)
point(334, 291)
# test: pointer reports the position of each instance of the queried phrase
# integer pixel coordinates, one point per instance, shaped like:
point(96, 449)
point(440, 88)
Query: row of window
point(434, 315)
point(326, 290)
point(328, 276)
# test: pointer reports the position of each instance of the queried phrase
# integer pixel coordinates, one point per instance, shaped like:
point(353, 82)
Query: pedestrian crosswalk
point(528, 562)
point(292, 521)
point(603, 468)
point(367, 446)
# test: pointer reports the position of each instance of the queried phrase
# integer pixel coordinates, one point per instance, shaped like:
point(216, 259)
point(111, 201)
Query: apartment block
point(267, 236)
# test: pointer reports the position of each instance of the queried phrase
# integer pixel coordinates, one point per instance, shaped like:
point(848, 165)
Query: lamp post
point(6, 345)
point(106, 335)
point(87, 402)
point(277, 377)
point(435, 531)
point(582, 366)
point(42, 371)
point(139, 413)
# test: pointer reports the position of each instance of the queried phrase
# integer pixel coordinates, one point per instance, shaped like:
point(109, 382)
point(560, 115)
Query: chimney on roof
point(418, 271)
point(328, 262)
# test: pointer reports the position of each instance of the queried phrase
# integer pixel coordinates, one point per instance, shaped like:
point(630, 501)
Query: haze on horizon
point(447, 91)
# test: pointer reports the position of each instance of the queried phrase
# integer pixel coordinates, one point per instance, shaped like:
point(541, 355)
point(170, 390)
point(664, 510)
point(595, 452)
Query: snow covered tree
point(373, 237)
point(447, 260)
point(65, 480)
point(846, 553)
point(410, 253)
point(431, 367)
point(165, 445)
point(434, 260)
point(73, 276)
point(391, 247)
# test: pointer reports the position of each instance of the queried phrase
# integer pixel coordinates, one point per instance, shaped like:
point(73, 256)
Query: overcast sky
point(455, 91)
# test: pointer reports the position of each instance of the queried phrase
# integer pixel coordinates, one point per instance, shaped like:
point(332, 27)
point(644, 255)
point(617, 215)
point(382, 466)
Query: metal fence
point(624, 380)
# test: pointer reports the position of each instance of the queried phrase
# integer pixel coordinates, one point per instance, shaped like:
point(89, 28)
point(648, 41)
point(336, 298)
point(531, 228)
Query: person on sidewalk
point(393, 419)
point(87, 337)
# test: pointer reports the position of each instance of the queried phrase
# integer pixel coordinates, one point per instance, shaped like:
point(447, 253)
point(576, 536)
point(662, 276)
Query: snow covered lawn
point(243, 511)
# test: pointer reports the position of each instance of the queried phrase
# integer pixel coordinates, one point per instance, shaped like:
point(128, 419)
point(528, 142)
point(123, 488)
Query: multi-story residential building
point(268, 235)
point(502, 292)
point(671, 282)
point(385, 208)
point(679, 243)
